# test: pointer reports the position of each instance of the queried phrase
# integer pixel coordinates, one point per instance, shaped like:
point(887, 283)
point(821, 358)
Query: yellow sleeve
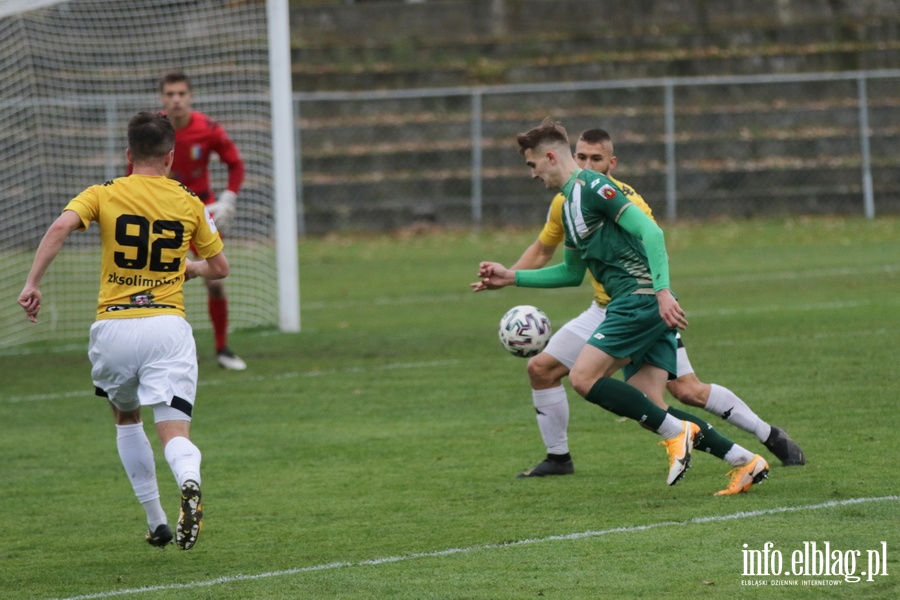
point(634, 198)
point(207, 241)
point(86, 205)
point(553, 233)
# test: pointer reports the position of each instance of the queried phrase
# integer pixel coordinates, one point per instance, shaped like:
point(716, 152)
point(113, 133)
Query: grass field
point(373, 454)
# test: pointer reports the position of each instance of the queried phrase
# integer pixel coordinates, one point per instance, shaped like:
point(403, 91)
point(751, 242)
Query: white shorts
point(683, 365)
point(566, 344)
point(148, 361)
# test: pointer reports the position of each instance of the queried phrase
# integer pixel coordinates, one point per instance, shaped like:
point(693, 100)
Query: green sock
point(713, 442)
point(626, 401)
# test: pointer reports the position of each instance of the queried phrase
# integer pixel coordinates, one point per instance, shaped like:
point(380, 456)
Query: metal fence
point(695, 147)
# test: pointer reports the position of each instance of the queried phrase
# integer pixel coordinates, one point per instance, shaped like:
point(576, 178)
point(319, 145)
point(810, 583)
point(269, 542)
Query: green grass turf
point(373, 454)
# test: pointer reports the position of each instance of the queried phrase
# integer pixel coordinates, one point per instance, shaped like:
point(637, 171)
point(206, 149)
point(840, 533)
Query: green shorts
point(633, 329)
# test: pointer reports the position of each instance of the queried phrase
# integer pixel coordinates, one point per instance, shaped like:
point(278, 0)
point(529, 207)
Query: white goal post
point(74, 72)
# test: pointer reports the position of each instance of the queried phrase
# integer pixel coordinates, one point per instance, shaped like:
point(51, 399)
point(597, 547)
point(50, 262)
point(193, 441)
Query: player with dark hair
point(141, 347)
point(197, 137)
point(625, 251)
point(594, 151)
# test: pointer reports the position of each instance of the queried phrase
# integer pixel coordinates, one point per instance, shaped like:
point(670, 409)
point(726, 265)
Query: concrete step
point(476, 41)
point(514, 49)
point(601, 66)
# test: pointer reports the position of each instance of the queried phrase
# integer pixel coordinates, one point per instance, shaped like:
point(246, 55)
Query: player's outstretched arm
point(30, 298)
point(568, 273)
point(535, 256)
point(493, 276)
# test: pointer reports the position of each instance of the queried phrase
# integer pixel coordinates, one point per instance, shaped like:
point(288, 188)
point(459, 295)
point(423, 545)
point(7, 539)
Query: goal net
point(74, 72)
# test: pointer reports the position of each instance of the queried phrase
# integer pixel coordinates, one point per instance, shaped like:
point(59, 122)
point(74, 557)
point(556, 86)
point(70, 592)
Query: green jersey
point(616, 258)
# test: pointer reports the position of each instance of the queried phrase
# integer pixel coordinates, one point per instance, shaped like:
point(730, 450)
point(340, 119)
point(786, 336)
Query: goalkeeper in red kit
point(196, 137)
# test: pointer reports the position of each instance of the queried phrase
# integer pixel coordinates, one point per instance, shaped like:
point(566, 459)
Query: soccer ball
point(524, 330)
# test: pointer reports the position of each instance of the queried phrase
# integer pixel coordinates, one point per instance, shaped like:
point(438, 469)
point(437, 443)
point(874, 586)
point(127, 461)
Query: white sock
point(552, 409)
point(156, 516)
point(738, 456)
point(136, 455)
point(725, 403)
point(670, 427)
point(184, 459)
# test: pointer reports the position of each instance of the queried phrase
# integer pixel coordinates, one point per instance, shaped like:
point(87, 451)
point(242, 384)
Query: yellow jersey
point(554, 234)
point(147, 223)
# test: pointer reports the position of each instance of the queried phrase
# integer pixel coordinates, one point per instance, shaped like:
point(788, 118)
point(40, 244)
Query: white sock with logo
point(136, 455)
point(552, 408)
point(725, 403)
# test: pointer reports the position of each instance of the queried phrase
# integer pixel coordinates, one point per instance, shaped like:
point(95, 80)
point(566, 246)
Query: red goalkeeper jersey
point(193, 146)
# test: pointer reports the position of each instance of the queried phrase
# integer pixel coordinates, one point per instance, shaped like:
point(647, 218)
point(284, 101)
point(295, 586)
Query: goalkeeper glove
point(223, 210)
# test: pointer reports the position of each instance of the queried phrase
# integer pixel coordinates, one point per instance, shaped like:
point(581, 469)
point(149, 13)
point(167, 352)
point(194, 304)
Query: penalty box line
point(482, 547)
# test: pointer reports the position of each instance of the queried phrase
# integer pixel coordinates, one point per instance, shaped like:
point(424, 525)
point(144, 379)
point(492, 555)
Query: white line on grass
point(469, 549)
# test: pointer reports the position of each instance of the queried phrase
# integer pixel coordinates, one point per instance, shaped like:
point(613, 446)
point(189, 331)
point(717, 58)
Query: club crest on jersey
point(196, 152)
point(142, 299)
point(608, 192)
